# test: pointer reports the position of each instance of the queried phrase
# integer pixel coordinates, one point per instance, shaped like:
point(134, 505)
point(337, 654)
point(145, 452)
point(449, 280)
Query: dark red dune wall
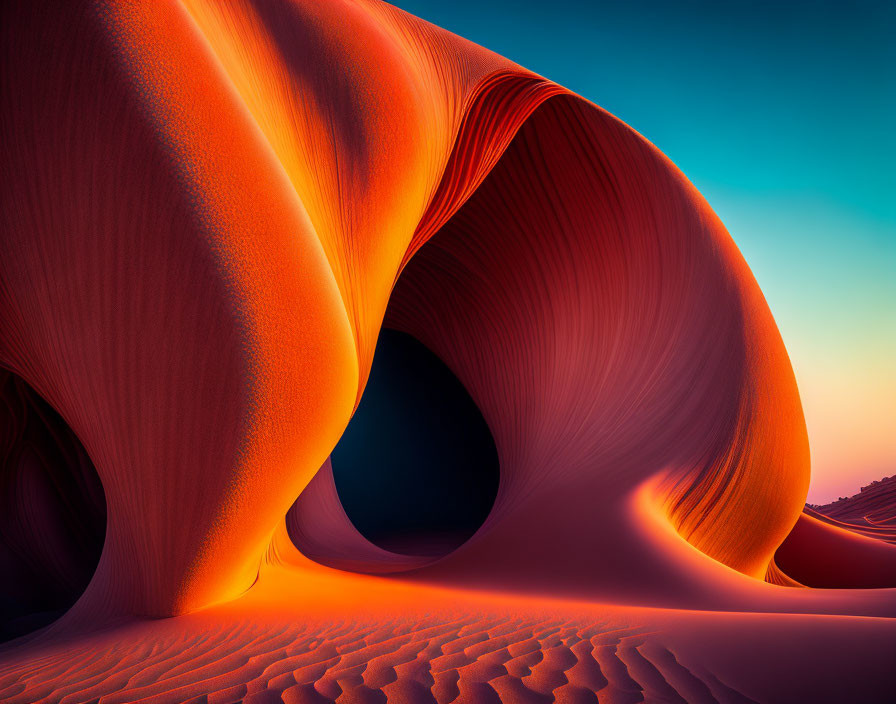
point(847, 543)
point(209, 212)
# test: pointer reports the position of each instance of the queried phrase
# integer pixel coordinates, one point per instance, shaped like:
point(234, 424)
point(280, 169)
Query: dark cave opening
point(52, 511)
point(416, 469)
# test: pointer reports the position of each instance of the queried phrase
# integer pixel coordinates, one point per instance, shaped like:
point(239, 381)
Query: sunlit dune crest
point(210, 212)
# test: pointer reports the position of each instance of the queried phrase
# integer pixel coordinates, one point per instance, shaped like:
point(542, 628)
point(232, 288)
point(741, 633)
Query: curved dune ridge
point(212, 209)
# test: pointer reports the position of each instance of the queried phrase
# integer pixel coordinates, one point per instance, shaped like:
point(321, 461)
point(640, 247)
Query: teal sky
point(782, 114)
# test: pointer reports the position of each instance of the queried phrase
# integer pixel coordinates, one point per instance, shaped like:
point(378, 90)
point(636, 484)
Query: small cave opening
point(416, 469)
point(52, 511)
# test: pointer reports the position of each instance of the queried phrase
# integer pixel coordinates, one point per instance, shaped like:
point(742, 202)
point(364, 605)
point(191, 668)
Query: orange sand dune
point(353, 638)
point(211, 210)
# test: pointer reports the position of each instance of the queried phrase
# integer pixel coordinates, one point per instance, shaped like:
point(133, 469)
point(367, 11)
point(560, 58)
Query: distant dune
point(871, 512)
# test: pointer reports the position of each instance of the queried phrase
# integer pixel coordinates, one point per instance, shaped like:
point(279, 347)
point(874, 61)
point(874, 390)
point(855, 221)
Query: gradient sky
point(783, 116)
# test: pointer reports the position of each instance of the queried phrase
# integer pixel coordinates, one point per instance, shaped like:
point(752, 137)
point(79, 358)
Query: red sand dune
point(848, 543)
point(211, 209)
point(871, 512)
